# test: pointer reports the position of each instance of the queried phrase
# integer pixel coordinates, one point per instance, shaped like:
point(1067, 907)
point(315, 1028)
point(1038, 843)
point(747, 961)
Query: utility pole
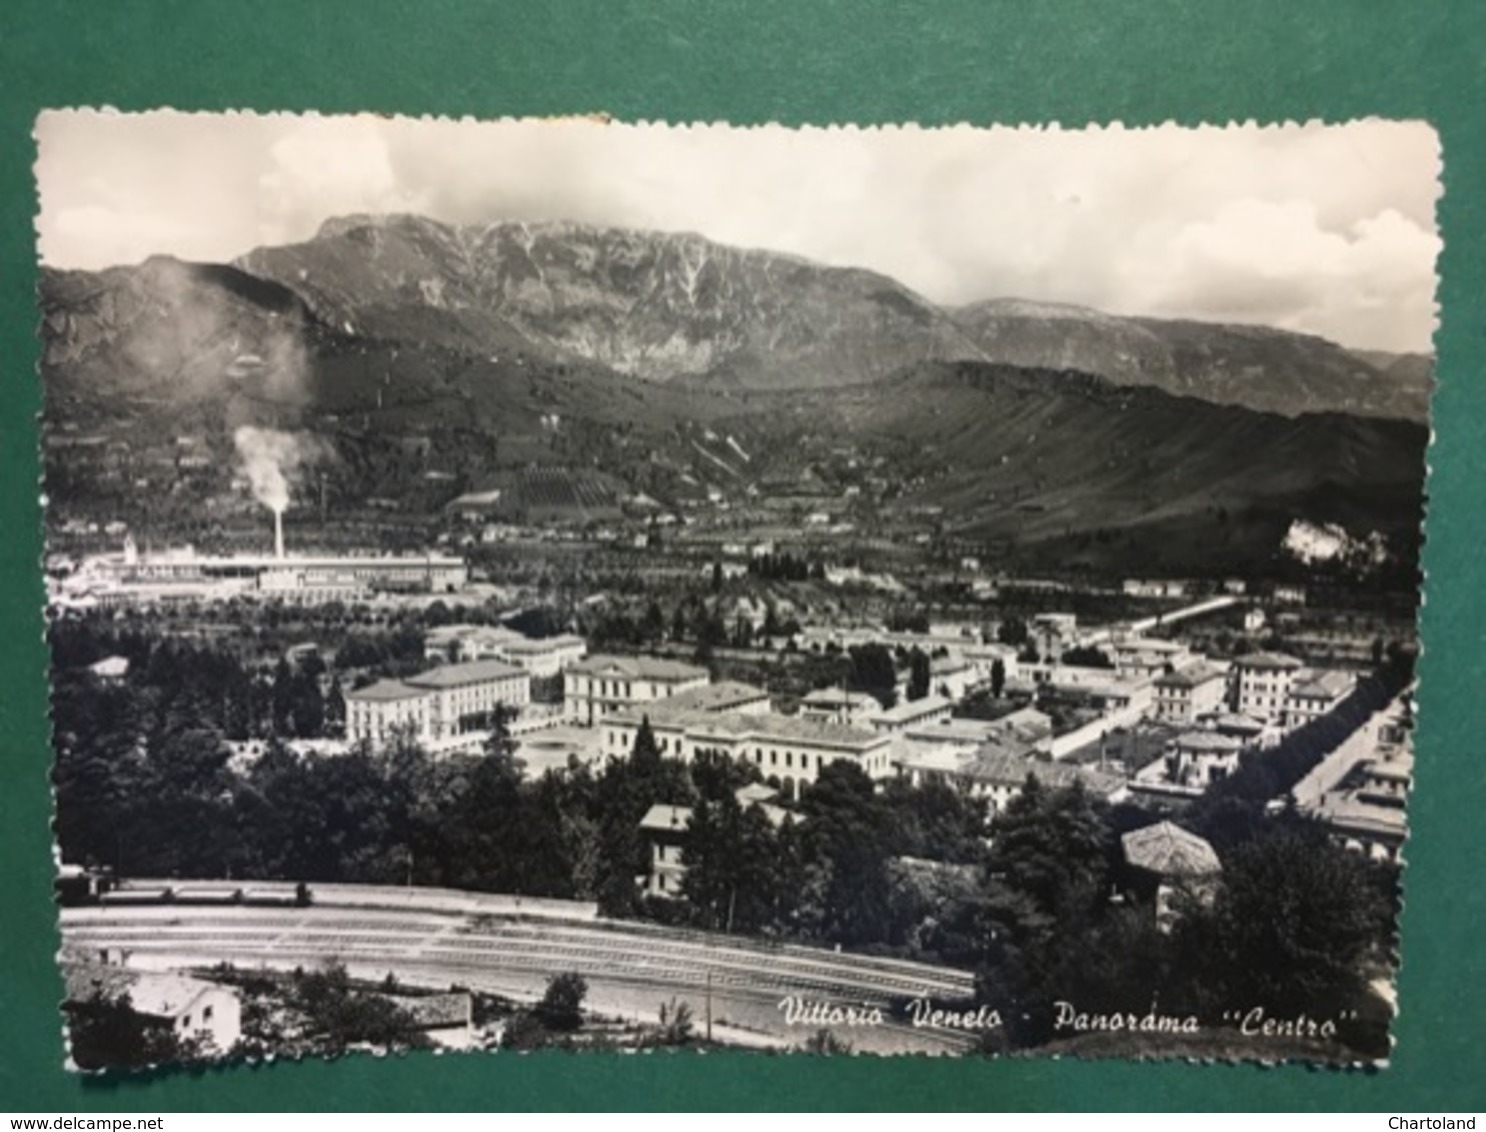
point(709, 1005)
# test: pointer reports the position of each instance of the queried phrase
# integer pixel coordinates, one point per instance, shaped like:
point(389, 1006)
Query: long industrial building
point(184, 575)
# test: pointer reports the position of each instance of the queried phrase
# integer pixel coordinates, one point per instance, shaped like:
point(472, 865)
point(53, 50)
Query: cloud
point(1325, 229)
point(323, 167)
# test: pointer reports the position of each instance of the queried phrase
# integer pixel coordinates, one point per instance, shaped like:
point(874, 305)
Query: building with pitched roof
point(1164, 860)
point(441, 704)
point(839, 706)
point(1188, 692)
point(1314, 692)
point(1261, 684)
point(791, 750)
point(667, 829)
point(599, 685)
point(194, 1010)
point(910, 713)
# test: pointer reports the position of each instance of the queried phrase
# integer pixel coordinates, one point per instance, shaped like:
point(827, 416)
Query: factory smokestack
point(278, 533)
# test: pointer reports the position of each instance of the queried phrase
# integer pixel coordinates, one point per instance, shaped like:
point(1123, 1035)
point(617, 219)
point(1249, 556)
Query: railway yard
point(632, 969)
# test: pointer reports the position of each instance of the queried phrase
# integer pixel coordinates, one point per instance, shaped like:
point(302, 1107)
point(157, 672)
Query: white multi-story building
point(1194, 690)
point(791, 750)
point(593, 688)
point(1261, 684)
point(1147, 656)
point(437, 705)
point(1313, 693)
point(911, 713)
point(546, 656)
point(836, 705)
point(541, 656)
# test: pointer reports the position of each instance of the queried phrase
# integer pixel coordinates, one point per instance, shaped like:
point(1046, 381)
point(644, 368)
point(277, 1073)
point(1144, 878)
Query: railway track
point(433, 940)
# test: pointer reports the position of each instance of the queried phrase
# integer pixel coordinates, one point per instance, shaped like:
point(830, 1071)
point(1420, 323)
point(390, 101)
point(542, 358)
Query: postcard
point(575, 584)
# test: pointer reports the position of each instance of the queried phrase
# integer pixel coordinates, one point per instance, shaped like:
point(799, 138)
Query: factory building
point(131, 578)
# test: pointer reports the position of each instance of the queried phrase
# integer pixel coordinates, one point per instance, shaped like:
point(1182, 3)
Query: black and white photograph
point(569, 584)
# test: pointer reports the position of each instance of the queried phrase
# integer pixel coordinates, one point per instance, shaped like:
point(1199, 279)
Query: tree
point(998, 678)
point(500, 745)
point(1294, 923)
point(654, 624)
point(677, 1024)
point(1012, 631)
point(335, 709)
point(1048, 876)
point(561, 1007)
point(921, 669)
point(848, 836)
point(1087, 657)
point(873, 671)
point(732, 878)
point(646, 751)
point(336, 1016)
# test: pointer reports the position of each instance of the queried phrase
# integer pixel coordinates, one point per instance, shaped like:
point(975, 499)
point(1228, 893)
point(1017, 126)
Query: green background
point(787, 61)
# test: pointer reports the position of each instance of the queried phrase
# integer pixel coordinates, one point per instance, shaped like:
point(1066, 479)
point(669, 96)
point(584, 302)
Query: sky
point(1326, 230)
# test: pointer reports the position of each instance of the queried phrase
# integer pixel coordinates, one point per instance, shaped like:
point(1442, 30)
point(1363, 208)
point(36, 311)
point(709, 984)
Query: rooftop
point(912, 709)
point(541, 645)
point(664, 817)
point(1268, 661)
point(837, 697)
point(744, 725)
point(721, 696)
point(1190, 676)
point(1207, 743)
point(457, 675)
point(996, 766)
point(1322, 684)
point(639, 667)
point(1169, 850)
point(385, 690)
point(158, 995)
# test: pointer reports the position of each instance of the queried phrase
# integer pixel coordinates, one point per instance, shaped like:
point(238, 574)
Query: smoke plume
point(272, 460)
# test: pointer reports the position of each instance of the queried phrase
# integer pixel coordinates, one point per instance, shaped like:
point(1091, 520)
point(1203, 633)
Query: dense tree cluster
point(1037, 900)
point(1293, 923)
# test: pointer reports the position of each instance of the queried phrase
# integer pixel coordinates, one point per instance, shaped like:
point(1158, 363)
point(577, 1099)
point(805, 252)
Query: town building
point(1186, 693)
point(998, 772)
point(1197, 759)
point(1147, 657)
point(543, 657)
point(1164, 863)
point(1365, 811)
point(182, 575)
point(1314, 693)
point(193, 1009)
point(446, 703)
point(459, 643)
point(952, 677)
point(910, 713)
point(790, 750)
point(599, 685)
point(666, 830)
point(836, 705)
point(1261, 684)
point(110, 670)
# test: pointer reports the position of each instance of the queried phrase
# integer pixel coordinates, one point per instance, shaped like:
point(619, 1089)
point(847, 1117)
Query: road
point(1361, 745)
point(1186, 612)
point(631, 969)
